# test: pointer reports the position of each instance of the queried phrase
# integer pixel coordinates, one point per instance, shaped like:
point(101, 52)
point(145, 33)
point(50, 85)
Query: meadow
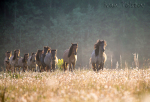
point(109, 85)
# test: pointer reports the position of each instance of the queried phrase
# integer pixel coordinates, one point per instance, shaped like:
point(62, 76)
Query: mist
point(30, 25)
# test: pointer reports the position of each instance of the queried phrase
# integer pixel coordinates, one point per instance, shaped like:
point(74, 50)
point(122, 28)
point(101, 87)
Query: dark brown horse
point(14, 60)
point(46, 50)
point(38, 57)
point(98, 56)
point(6, 61)
point(22, 62)
point(54, 59)
point(70, 57)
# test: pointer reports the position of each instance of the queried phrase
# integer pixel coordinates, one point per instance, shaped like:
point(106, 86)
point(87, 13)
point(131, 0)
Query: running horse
point(31, 63)
point(54, 59)
point(46, 50)
point(70, 57)
point(98, 56)
point(22, 62)
point(51, 60)
point(6, 61)
point(38, 57)
point(14, 60)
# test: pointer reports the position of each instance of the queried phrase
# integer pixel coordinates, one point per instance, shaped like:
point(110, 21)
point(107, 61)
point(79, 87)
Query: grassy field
point(83, 85)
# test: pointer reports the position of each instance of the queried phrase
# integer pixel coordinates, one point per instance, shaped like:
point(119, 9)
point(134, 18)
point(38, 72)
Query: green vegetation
point(59, 64)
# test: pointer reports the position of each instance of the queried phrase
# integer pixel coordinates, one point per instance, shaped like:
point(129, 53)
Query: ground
point(109, 85)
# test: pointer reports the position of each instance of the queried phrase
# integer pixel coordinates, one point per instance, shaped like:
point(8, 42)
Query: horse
point(31, 63)
point(54, 59)
point(22, 62)
point(14, 60)
point(6, 61)
point(98, 56)
point(46, 50)
point(38, 57)
point(70, 57)
point(51, 60)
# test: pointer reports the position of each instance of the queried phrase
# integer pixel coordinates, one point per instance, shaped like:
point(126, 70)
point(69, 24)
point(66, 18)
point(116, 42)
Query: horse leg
point(19, 70)
point(70, 67)
point(53, 67)
point(40, 68)
point(14, 69)
point(102, 65)
point(97, 66)
point(23, 69)
point(64, 64)
point(93, 66)
point(73, 65)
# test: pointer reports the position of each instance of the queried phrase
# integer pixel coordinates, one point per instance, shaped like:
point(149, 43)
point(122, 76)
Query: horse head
point(33, 57)
point(46, 49)
point(8, 54)
point(54, 53)
point(38, 55)
point(25, 58)
point(16, 54)
point(73, 49)
point(100, 46)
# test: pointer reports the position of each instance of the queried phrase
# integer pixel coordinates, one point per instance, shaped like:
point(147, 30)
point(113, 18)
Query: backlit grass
point(105, 86)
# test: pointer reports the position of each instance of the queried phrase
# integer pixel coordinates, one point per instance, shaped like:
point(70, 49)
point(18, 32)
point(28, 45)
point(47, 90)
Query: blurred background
point(30, 25)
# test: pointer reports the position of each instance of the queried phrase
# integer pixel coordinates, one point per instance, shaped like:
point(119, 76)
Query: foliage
point(60, 64)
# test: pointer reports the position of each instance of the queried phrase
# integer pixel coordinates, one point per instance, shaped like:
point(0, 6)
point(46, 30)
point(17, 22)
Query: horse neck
point(45, 51)
point(72, 54)
point(100, 53)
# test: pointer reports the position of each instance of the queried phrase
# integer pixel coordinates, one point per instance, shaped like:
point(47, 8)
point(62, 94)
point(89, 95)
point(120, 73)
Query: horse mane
point(49, 49)
point(53, 52)
point(23, 60)
point(37, 55)
point(71, 48)
point(14, 55)
point(96, 46)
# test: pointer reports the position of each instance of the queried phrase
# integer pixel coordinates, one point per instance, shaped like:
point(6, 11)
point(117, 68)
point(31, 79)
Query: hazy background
point(29, 25)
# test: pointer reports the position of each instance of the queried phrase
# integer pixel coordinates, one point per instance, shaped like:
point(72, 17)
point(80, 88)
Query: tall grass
point(128, 85)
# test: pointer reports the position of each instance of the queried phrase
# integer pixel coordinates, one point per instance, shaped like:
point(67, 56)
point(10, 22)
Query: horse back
point(65, 56)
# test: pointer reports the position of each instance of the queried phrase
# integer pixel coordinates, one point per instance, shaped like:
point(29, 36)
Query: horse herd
point(46, 59)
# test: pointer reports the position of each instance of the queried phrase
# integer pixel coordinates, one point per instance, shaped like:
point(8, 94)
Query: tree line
point(30, 25)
